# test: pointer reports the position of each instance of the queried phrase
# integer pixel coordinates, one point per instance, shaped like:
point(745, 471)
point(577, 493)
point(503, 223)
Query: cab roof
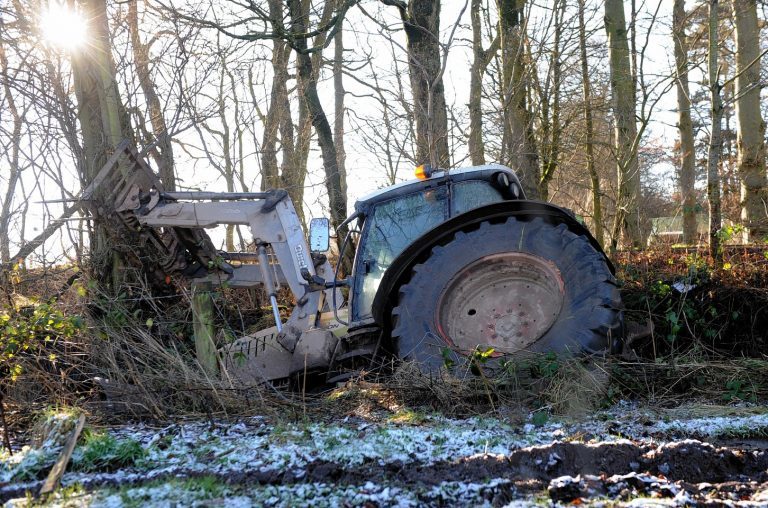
point(484, 172)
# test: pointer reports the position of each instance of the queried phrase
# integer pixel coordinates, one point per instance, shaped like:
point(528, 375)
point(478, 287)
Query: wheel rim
point(505, 301)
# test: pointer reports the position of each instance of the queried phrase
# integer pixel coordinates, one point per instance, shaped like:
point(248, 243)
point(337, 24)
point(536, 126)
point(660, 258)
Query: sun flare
point(62, 27)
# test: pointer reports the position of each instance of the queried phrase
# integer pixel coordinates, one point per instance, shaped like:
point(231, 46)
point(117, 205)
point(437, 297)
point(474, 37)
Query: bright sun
point(62, 27)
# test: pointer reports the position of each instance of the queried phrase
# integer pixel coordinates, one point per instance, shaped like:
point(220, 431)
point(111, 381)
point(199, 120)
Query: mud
point(691, 461)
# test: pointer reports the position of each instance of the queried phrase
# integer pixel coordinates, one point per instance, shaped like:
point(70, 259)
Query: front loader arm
point(274, 225)
point(163, 233)
point(277, 227)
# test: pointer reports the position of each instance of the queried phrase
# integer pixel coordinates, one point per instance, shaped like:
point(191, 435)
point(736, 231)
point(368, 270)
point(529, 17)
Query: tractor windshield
point(394, 224)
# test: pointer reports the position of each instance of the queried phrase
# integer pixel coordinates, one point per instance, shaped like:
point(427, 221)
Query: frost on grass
point(245, 447)
point(136, 457)
point(732, 426)
point(25, 464)
point(489, 493)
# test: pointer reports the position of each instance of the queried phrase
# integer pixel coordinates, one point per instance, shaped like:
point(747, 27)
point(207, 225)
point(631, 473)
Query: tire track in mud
point(525, 471)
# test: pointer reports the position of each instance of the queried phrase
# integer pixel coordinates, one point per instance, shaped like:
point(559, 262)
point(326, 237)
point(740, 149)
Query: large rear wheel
point(518, 287)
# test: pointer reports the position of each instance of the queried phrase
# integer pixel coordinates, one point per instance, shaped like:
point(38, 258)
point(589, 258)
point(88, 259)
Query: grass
point(103, 452)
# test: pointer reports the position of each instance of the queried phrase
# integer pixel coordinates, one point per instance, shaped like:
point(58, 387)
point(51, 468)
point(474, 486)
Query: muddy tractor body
point(446, 265)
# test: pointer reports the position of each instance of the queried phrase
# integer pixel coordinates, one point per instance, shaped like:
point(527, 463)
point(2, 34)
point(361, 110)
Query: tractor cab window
point(393, 225)
point(389, 229)
point(471, 194)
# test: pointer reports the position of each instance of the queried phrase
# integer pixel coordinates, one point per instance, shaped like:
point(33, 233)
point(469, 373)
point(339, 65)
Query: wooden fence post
point(202, 322)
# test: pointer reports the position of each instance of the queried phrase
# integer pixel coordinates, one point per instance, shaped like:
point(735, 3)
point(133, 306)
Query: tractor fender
point(399, 271)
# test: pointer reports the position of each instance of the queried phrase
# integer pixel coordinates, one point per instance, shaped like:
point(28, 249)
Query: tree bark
point(627, 218)
point(481, 58)
point(551, 153)
point(518, 144)
point(684, 125)
point(715, 139)
point(226, 143)
point(597, 208)
point(751, 132)
point(337, 200)
point(270, 175)
point(103, 119)
point(13, 159)
point(298, 169)
point(338, 98)
point(163, 155)
point(421, 20)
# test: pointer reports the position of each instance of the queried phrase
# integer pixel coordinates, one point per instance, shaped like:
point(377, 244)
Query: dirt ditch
point(575, 470)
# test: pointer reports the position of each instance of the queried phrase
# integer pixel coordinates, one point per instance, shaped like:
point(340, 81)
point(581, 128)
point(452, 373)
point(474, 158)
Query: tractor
point(445, 265)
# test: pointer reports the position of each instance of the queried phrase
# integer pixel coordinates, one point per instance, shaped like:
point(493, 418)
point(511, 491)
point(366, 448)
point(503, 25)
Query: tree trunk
point(304, 134)
point(597, 209)
point(751, 137)
point(226, 143)
point(13, 159)
point(518, 146)
point(480, 60)
point(715, 139)
point(103, 119)
point(293, 170)
point(163, 155)
point(421, 19)
point(336, 198)
point(295, 149)
point(552, 151)
point(338, 97)
point(270, 176)
point(623, 103)
point(685, 126)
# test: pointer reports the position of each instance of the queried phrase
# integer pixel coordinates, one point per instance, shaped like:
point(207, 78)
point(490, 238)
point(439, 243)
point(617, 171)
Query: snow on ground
point(190, 464)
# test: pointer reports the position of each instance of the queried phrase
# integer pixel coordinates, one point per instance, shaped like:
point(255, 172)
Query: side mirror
point(319, 235)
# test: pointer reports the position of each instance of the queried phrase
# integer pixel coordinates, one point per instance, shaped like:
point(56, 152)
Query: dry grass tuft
point(561, 386)
point(577, 388)
point(675, 380)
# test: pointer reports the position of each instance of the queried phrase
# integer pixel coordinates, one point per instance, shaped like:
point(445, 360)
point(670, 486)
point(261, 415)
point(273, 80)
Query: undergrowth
point(129, 355)
point(695, 307)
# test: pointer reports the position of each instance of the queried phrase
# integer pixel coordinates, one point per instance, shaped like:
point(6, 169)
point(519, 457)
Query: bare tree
point(13, 155)
point(518, 144)
point(278, 107)
point(684, 125)
point(481, 58)
point(589, 136)
point(623, 101)
point(421, 20)
point(550, 105)
point(751, 134)
point(308, 81)
point(163, 151)
point(715, 137)
point(338, 98)
point(103, 119)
